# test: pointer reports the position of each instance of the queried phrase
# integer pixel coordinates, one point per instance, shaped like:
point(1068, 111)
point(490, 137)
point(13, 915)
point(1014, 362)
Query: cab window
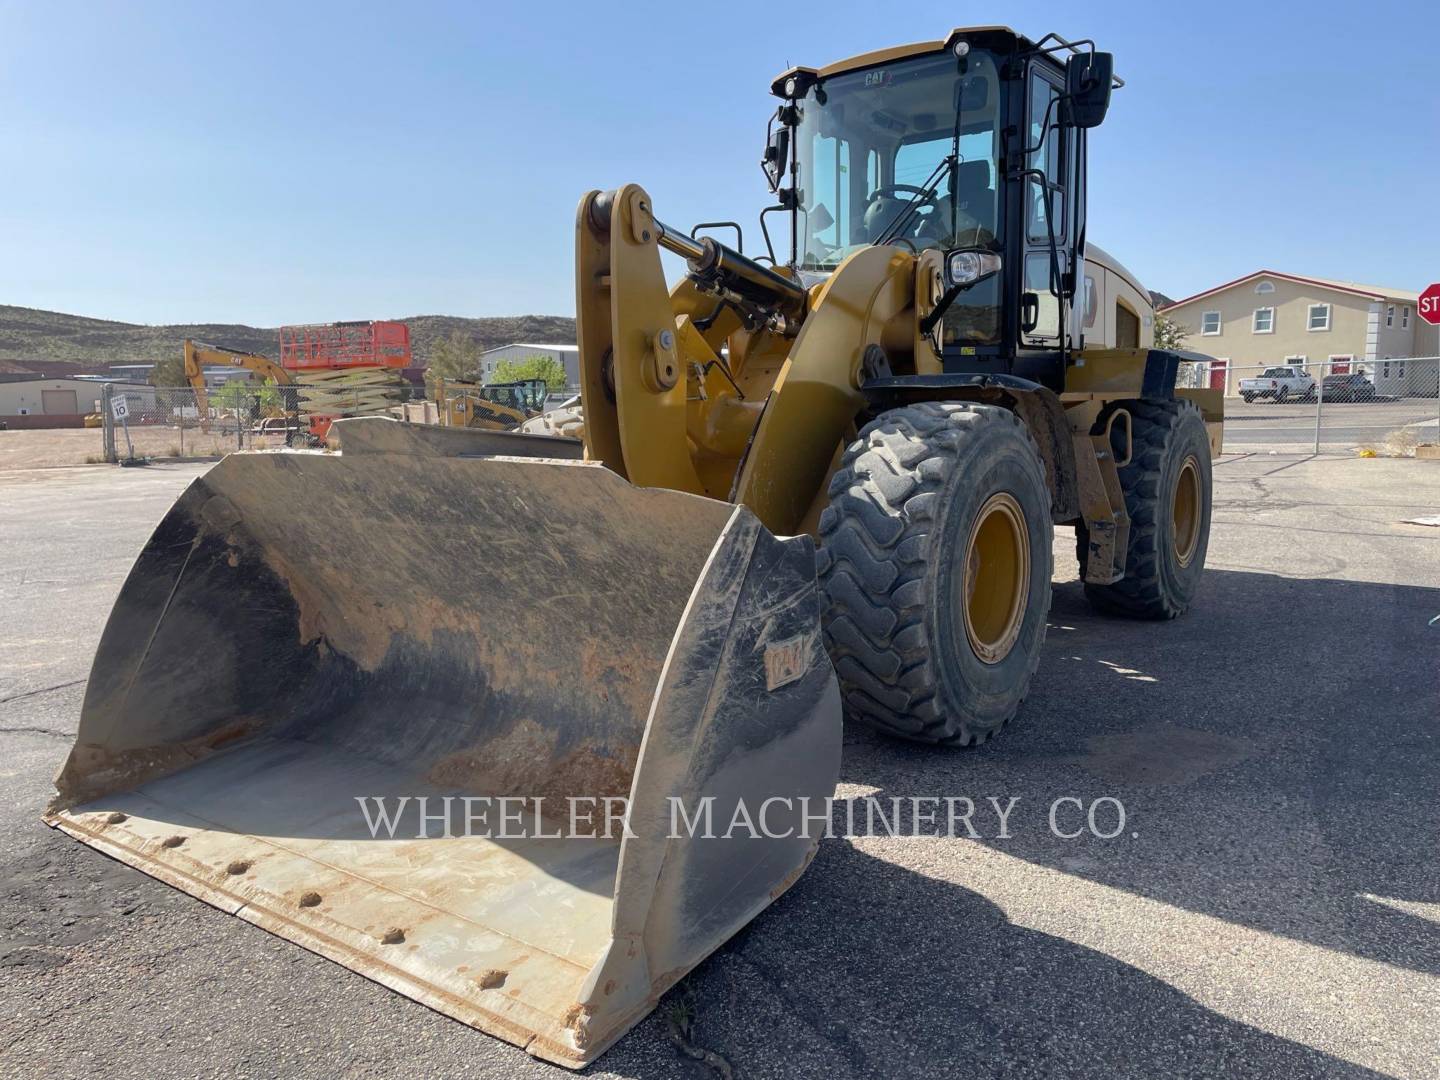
point(1044, 134)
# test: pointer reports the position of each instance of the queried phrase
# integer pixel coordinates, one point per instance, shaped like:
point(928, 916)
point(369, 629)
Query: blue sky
point(269, 163)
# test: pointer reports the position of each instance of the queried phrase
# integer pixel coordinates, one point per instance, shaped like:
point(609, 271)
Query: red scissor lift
point(343, 346)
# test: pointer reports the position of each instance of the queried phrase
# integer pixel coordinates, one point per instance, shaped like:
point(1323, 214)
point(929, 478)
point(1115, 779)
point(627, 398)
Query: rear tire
point(1167, 487)
point(935, 564)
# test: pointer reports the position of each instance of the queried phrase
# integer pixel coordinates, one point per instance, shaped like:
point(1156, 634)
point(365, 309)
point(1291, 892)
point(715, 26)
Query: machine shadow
point(1273, 749)
point(869, 969)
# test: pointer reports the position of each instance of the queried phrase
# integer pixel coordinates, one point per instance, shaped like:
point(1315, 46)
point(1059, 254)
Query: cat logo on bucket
point(785, 662)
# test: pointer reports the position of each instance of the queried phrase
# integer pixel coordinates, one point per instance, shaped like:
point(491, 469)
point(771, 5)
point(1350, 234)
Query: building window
point(1387, 369)
point(1319, 317)
point(1264, 321)
point(1340, 365)
point(1210, 323)
point(1390, 315)
point(1264, 287)
point(1296, 363)
point(1404, 318)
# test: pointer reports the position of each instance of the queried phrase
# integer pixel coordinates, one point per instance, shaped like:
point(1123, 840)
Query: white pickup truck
point(1280, 383)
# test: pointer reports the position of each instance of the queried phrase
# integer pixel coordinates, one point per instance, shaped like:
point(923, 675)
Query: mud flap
point(334, 687)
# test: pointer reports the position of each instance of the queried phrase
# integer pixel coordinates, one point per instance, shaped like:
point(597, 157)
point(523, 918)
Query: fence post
point(180, 418)
point(1319, 403)
point(107, 425)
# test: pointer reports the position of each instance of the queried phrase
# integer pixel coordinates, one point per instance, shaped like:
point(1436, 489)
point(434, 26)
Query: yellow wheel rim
point(997, 578)
point(1185, 512)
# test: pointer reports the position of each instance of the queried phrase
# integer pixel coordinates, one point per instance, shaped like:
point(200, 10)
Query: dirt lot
point(82, 446)
point(1271, 909)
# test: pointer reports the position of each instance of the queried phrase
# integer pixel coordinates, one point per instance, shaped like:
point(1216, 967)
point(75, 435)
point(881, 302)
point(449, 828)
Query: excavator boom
point(197, 355)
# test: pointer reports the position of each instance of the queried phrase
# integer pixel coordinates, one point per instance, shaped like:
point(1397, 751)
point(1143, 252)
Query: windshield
point(871, 142)
point(526, 395)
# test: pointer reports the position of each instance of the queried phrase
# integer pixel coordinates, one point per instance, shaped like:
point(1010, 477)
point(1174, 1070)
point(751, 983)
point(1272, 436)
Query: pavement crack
point(36, 731)
point(42, 690)
point(680, 1022)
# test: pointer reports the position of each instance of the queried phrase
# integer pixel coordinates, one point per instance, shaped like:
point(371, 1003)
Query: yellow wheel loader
point(493, 406)
point(816, 481)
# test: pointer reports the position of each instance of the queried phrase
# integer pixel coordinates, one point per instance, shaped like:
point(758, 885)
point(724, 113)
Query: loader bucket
point(315, 646)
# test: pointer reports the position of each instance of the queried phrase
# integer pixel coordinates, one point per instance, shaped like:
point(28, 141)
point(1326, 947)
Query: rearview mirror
point(1087, 89)
point(777, 156)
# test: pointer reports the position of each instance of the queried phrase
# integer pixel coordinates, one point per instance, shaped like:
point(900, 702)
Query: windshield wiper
point(926, 192)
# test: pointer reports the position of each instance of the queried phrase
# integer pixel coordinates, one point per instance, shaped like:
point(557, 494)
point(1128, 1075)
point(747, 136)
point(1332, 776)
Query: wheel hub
point(1185, 512)
point(996, 578)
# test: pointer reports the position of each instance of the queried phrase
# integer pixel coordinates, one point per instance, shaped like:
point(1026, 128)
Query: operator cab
point(975, 145)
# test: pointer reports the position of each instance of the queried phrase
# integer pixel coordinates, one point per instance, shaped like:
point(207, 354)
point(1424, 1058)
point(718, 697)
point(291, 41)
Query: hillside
point(60, 344)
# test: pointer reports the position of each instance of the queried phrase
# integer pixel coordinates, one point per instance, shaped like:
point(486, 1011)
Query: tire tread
point(1140, 593)
point(873, 570)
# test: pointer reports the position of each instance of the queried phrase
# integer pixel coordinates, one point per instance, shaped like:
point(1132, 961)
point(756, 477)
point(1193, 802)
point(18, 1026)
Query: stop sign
point(1429, 305)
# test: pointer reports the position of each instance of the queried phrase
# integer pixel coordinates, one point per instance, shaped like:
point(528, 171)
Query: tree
point(169, 370)
point(455, 357)
point(239, 398)
point(534, 367)
point(1169, 334)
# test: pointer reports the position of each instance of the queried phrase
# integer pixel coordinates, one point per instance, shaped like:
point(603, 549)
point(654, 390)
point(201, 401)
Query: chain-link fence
point(179, 422)
point(1337, 405)
point(161, 422)
point(1297, 406)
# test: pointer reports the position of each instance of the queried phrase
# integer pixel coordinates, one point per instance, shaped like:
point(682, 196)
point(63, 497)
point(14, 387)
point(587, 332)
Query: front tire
point(1248, 398)
point(935, 565)
point(1167, 487)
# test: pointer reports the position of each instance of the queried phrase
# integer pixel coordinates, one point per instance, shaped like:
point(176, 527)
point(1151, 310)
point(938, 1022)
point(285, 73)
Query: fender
point(1036, 405)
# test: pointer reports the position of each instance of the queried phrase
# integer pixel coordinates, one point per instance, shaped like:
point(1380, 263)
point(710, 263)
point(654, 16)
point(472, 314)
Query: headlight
point(968, 267)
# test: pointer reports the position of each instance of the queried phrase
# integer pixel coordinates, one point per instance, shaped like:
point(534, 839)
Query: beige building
point(1268, 318)
point(566, 355)
point(33, 401)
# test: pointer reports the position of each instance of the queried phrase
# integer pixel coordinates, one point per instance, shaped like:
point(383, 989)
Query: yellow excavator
point(818, 480)
point(197, 355)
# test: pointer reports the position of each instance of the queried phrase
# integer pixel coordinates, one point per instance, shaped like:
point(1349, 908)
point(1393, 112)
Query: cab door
point(1048, 209)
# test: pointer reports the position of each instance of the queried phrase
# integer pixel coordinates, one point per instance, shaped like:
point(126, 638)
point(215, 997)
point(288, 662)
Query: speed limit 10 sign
point(119, 407)
point(1429, 305)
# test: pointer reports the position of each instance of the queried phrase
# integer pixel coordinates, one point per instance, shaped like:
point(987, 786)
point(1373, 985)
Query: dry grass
point(85, 446)
point(1399, 443)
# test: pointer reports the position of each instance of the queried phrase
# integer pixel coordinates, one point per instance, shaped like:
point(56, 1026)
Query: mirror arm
point(942, 305)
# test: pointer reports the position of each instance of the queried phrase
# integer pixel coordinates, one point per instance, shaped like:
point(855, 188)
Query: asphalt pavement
point(1270, 907)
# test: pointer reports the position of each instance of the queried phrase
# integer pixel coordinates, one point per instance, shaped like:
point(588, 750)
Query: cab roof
point(896, 52)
